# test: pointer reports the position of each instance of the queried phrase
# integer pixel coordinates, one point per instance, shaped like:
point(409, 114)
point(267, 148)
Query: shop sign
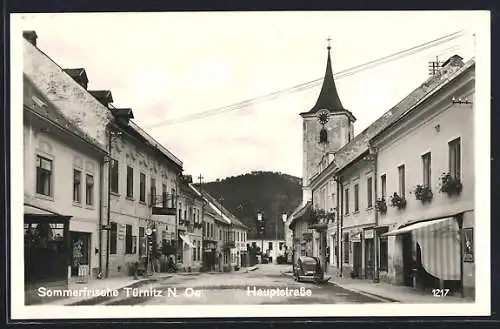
point(356, 237)
point(468, 245)
point(369, 234)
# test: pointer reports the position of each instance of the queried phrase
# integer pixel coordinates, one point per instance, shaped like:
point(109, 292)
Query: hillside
point(272, 193)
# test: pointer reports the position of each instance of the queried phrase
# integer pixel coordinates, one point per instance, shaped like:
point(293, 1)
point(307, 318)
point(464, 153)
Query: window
point(130, 182)
point(114, 176)
point(180, 210)
point(194, 251)
point(199, 251)
point(153, 192)
point(369, 188)
point(270, 246)
point(142, 187)
point(346, 248)
point(346, 201)
point(356, 197)
point(383, 185)
point(454, 158)
point(220, 235)
point(142, 242)
point(112, 240)
point(128, 240)
point(172, 198)
point(281, 245)
point(164, 196)
point(77, 186)
point(426, 166)
point(401, 171)
point(89, 190)
point(43, 176)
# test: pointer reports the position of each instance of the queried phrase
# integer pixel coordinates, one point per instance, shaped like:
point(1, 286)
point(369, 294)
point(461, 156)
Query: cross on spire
point(200, 178)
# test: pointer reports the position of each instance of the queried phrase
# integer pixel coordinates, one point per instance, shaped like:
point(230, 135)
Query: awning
point(187, 240)
point(438, 245)
point(415, 226)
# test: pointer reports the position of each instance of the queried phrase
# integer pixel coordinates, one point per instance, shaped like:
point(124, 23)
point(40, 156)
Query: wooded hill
point(270, 192)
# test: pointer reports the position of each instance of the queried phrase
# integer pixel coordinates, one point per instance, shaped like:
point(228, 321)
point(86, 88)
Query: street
point(238, 287)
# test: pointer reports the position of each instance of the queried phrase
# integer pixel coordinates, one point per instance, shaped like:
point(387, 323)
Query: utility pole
point(434, 66)
point(200, 178)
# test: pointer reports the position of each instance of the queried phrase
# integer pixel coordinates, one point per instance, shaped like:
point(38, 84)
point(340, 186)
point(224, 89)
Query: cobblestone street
point(235, 288)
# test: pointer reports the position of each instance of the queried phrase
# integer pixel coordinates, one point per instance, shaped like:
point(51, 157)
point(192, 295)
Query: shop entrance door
point(80, 253)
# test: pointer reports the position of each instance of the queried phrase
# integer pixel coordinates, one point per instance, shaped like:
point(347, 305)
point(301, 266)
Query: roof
point(35, 102)
point(463, 69)
point(78, 74)
point(299, 212)
point(360, 144)
point(154, 143)
point(219, 208)
point(328, 97)
point(103, 96)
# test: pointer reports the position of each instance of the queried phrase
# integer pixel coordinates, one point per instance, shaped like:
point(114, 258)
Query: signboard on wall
point(369, 234)
point(468, 247)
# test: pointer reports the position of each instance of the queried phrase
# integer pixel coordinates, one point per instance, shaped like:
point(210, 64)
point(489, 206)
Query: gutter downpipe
point(338, 256)
point(341, 217)
point(101, 204)
point(108, 231)
point(376, 276)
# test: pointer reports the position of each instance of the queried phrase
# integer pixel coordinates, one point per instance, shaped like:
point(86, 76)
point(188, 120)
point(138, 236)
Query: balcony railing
point(164, 200)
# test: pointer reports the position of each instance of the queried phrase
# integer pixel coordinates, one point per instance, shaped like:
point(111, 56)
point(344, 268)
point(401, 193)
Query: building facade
point(62, 180)
point(427, 159)
point(360, 205)
point(140, 177)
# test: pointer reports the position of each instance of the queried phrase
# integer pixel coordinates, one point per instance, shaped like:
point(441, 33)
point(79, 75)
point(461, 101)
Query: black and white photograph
point(242, 164)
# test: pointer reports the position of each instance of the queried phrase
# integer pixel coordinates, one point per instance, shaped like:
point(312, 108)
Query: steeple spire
point(328, 97)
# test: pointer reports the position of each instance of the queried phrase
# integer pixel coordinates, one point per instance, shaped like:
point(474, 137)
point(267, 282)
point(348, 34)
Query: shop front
point(46, 251)
point(431, 252)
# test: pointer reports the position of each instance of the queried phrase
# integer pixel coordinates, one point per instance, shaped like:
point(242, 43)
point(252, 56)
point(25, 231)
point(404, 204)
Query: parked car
point(308, 269)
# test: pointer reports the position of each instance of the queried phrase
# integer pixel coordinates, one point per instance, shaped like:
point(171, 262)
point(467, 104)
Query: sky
point(168, 65)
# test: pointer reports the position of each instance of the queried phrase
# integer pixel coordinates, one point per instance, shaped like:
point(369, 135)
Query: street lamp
point(259, 229)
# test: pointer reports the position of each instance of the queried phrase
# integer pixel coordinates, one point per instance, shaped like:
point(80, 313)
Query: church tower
point(326, 128)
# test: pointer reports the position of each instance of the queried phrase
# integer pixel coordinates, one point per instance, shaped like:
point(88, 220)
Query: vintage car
point(307, 269)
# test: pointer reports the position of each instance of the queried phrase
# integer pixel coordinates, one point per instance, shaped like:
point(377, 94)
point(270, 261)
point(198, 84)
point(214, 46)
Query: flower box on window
point(398, 201)
point(450, 185)
point(381, 206)
point(423, 193)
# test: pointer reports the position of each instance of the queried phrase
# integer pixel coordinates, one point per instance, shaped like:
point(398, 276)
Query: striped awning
point(438, 242)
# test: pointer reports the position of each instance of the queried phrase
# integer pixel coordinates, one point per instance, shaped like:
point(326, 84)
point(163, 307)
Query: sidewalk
point(109, 285)
point(387, 292)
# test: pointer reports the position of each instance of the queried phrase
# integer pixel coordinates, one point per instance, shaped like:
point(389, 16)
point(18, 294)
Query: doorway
point(408, 259)
point(80, 251)
point(356, 259)
point(369, 258)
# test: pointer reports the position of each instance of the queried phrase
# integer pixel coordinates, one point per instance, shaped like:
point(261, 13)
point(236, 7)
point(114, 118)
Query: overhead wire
point(312, 83)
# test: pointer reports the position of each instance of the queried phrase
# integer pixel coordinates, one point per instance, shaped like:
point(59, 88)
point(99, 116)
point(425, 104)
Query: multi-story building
point(228, 243)
point(271, 249)
point(137, 171)
point(62, 182)
point(210, 239)
point(190, 214)
point(367, 240)
point(426, 158)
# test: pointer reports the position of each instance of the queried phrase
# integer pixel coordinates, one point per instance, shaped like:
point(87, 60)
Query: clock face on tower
point(323, 116)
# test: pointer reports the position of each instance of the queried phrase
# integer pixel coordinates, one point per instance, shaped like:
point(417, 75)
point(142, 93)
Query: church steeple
point(328, 97)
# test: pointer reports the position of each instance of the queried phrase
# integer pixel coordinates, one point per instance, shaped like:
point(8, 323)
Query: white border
point(482, 225)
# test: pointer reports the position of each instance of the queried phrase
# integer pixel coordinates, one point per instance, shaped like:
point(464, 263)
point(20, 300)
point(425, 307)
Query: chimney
point(30, 36)
point(454, 60)
point(79, 75)
point(103, 96)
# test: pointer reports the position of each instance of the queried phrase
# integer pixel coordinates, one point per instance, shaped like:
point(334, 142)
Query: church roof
point(328, 97)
